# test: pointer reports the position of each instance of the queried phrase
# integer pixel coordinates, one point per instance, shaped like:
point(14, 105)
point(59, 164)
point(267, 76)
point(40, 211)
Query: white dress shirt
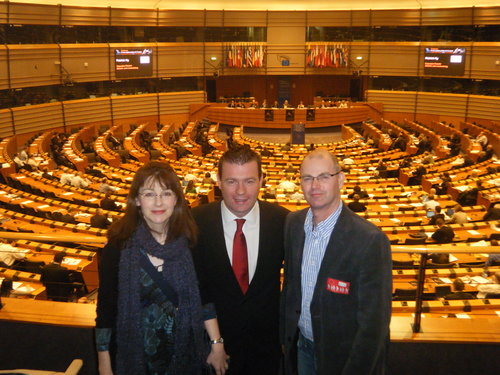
point(251, 230)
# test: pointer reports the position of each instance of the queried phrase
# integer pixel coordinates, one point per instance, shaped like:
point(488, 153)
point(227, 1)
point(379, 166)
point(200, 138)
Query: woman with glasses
point(150, 318)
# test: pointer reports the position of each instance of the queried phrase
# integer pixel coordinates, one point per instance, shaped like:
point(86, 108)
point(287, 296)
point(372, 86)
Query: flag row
point(327, 56)
point(245, 55)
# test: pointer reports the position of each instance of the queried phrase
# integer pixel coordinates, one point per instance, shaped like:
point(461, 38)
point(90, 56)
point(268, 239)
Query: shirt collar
point(228, 218)
point(326, 225)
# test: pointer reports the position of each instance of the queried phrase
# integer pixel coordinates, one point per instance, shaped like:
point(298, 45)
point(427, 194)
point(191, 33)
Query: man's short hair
point(240, 155)
point(58, 258)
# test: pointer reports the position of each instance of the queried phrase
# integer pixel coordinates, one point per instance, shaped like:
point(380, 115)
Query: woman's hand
point(218, 359)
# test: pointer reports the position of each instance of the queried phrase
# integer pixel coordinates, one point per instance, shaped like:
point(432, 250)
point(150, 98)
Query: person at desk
point(100, 220)
point(57, 280)
point(69, 216)
point(494, 288)
point(301, 105)
point(108, 204)
point(444, 233)
point(438, 214)
point(459, 216)
point(356, 205)
point(458, 286)
point(150, 316)
point(337, 292)
point(359, 191)
point(493, 212)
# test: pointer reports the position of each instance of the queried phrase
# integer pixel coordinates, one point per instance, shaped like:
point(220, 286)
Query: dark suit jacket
point(109, 204)
point(99, 221)
point(58, 282)
point(247, 322)
point(351, 331)
point(444, 234)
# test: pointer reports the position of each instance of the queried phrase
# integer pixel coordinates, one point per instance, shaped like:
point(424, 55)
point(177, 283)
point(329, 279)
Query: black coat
point(351, 330)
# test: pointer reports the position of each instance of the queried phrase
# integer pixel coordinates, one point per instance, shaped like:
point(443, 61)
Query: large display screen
point(132, 63)
point(444, 61)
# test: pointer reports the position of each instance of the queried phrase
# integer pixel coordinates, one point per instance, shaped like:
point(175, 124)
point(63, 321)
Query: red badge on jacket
point(337, 286)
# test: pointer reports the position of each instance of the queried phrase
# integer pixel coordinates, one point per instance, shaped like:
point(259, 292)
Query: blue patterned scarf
point(191, 348)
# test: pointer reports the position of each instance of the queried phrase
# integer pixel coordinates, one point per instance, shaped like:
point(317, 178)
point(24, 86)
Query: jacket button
point(297, 311)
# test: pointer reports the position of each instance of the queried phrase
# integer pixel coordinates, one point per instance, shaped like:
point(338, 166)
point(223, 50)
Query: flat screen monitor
point(444, 61)
point(133, 62)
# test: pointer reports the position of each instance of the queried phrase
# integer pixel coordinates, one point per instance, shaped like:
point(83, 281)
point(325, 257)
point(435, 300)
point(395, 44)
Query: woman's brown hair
point(181, 223)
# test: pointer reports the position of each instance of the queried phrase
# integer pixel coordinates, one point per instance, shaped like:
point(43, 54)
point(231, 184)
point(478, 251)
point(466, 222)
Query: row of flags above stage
point(245, 55)
point(327, 55)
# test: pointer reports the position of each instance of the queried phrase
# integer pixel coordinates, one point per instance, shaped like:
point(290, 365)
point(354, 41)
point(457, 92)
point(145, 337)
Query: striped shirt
point(317, 237)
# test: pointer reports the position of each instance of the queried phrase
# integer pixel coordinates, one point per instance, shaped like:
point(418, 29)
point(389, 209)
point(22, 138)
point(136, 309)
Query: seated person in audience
point(440, 258)
point(57, 280)
point(190, 188)
point(359, 191)
point(301, 105)
point(264, 104)
point(10, 256)
point(275, 104)
point(208, 179)
point(427, 158)
point(290, 168)
point(493, 288)
point(356, 205)
point(469, 197)
point(493, 212)
point(459, 216)
point(18, 162)
point(348, 161)
point(269, 194)
point(286, 147)
point(80, 181)
point(107, 203)
point(266, 152)
point(442, 188)
point(46, 174)
point(100, 220)
point(253, 104)
point(6, 288)
point(458, 286)
point(104, 187)
point(489, 152)
point(68, 216)
point(482, 139)
point(231, 104)
point(493, 258)
point(66, 178)
point(430, 204)
point(444, 234)
point(286, 104)
point(287, 185)
point(437, 215)
point(297, 196)
point(311, 147)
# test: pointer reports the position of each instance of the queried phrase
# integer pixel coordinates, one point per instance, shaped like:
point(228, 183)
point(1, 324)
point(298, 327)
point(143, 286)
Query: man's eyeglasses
point(150, 195)
point(323, 178)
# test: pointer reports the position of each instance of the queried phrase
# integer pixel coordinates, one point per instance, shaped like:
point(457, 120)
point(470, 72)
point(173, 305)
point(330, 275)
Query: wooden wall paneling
point(181, 18)
point(294, 53)
point(393, 59)
point(238, 18)
point(180, 59)
point(113, 46)
point(87, 62)
point(33, 14)
point(484, 107)
point(216, 50)
point(133, 17)
point(34, 65)
point(84, 16)
point(38, 117)
point(394, 101)
point(3, 12)
point(340, 18)
point(86, 111)
point(360, 17)
point(4, 68)
point(446, 16)
point(236, 86)
point(396, 17)
point(6, 128)
point(484, 61)
point(303, 89)
point(286, 18)
point(178, 102)
point(486, 15)
point(442, 104)
point(357, 49)
point(214, 18)
point(134, 106)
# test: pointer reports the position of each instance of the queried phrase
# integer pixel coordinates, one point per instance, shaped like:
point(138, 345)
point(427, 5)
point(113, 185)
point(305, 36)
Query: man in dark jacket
point(444, 234)
point(336, 299)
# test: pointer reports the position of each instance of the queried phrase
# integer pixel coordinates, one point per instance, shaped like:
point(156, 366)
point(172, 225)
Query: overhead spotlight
point(213, 58)
point(359, 57)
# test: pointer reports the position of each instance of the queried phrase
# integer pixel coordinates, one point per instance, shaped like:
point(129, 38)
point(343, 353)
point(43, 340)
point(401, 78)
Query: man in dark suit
point(107, 203)
point(57, 280)
point(246, 296)
point(444, 234)
point(336, 299)
point(100, 220)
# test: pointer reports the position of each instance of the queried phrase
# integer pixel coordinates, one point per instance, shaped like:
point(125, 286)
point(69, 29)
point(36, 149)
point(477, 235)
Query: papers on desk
point(462, 188)
point(445, 280)
point(416, 204)
point(474, 232)
point(71, 261)
point(3, 192)
point(479, 244)
point(68, 193)
point(26, 202)
point(453, 258)
point(26, 289)
point(384, 206)
point(462, 316)
point(480, 280)
point(43, 206)
point(497, 312)
point(395, 220)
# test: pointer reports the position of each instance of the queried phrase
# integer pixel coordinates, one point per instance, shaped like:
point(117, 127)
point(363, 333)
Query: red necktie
point(240, 256)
